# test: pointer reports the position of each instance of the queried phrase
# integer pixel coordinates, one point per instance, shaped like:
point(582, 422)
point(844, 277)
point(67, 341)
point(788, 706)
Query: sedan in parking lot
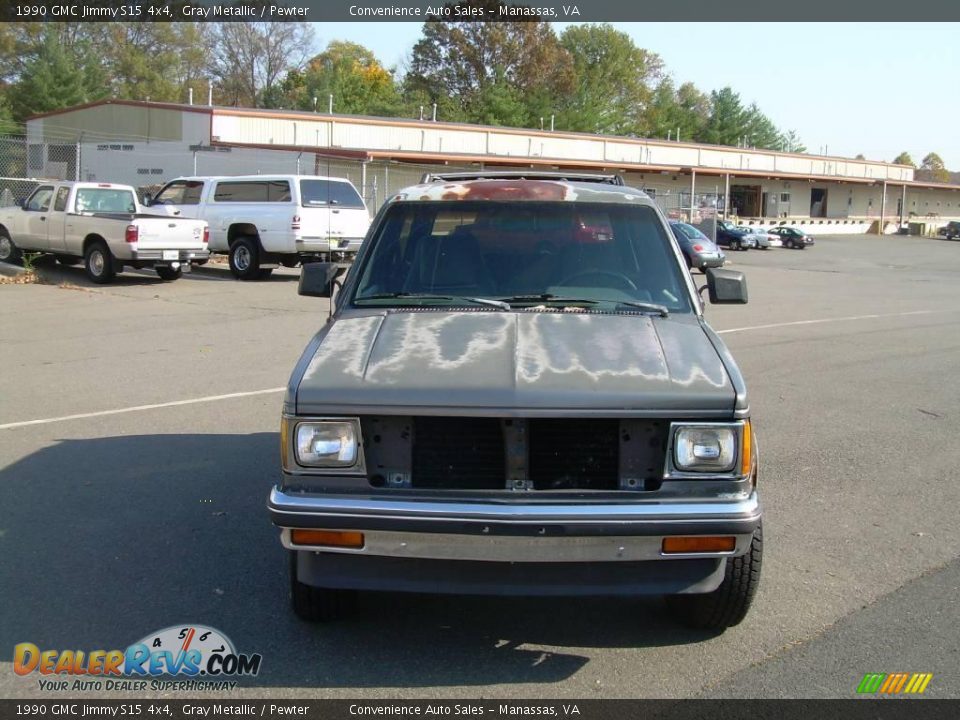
point(792, 237)
point(700, 251)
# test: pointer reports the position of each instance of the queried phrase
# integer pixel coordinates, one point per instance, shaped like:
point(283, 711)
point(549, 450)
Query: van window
point(180, 192)
point(329, 192)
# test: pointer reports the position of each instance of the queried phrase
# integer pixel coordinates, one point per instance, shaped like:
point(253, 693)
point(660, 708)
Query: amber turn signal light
point(699, 544)
point(330, 538)
point(746, 452)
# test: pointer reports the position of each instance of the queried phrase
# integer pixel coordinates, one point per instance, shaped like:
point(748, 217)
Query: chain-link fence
point(702, 212)
point(24, 164)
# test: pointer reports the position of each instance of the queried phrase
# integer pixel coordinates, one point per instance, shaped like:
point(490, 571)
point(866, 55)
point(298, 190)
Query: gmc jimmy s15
point(517, 393)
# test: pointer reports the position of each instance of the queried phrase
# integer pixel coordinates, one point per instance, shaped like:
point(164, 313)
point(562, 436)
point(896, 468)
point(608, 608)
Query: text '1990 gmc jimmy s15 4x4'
point(517, 394)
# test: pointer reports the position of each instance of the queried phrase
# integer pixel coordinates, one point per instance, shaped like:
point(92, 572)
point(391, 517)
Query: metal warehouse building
point(146, 144)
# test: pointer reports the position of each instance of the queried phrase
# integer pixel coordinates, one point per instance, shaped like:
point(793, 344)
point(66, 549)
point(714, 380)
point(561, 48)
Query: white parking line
point(138, 408)
point(828, 320)
point(215, 398)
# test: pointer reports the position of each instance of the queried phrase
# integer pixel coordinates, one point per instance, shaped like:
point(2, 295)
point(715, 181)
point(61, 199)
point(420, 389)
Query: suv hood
point(427, 360)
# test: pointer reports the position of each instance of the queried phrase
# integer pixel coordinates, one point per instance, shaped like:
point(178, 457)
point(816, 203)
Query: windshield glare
point(521, 252)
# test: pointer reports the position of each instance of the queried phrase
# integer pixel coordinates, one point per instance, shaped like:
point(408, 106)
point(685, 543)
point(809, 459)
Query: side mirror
point(726, 286)
point(316, 279)
point(147, 201)
point(22, 204)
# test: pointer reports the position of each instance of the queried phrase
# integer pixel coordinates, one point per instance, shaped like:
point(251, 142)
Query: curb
point(8, 270)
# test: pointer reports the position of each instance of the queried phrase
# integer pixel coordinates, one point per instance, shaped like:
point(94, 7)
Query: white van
point(262, 221)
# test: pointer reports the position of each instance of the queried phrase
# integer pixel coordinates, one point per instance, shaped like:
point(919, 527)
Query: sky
point(870, 88)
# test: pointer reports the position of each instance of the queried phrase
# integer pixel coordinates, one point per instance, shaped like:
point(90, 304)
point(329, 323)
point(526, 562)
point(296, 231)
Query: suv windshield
point(599, 255)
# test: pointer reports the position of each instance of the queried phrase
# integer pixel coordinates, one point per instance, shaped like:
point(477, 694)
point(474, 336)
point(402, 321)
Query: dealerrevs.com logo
point(201, 657)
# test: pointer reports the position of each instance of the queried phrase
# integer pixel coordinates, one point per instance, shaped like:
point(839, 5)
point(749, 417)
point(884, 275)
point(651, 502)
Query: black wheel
point(68, 260)
point(98, 262)
point(728, 604)
point(264, 273)
point(168, 273)
point(315, 604)
point(245, 259)
point(9, 252)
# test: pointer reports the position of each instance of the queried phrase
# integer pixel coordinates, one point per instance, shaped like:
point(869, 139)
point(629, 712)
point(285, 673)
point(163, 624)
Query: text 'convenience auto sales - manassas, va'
point(189, 651)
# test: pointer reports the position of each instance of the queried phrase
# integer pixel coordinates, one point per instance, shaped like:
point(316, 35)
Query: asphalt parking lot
point(145, 508)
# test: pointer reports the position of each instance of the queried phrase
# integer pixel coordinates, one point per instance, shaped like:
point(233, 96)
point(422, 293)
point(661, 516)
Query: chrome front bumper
point(514, 531)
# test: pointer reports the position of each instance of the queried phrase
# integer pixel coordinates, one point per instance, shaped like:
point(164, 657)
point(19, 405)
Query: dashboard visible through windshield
point(596, 255)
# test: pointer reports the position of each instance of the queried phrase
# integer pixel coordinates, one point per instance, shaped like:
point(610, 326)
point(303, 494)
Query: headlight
point(327, 444)
point(704, 448)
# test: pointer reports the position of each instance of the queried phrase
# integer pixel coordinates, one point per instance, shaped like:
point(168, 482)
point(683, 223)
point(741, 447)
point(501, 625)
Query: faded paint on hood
point(516, 361)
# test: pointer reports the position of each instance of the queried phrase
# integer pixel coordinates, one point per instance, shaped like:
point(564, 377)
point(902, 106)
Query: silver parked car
point(518, 394)
point(699, 250)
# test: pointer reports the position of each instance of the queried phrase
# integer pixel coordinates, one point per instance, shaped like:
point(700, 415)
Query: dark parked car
point(729, 235)
point(791, 237)
point(700, 251)
point(951, 231)
point(517, 393)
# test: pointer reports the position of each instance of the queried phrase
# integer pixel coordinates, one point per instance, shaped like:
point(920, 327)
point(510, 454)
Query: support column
point(883, 207)
point(693, 190)
point(726, 195)
point(903, 204)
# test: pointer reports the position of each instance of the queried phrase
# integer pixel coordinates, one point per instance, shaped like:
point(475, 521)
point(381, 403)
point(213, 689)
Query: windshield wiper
point(545, 297)
point(430, 296)
point(650, 307)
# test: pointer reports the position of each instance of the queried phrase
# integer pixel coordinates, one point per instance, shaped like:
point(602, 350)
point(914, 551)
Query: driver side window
point(180, 192)
point(40, 200)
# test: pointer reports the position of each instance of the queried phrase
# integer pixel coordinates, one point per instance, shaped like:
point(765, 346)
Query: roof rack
point(521, 175)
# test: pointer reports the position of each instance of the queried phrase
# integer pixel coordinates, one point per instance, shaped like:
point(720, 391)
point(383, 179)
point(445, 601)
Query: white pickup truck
point(262, 221)
point(104, 225)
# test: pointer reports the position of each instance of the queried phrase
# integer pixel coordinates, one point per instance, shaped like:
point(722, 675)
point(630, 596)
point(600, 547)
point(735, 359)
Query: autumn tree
point(250, 58)
point(360, 85)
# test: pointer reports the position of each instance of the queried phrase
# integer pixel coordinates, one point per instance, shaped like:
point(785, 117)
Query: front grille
point(577, 454)
point(458, 453)
point(477, 453)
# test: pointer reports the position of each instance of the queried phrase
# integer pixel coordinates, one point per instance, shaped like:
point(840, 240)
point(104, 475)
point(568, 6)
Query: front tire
point(168, 273)
point(245, 259)
point(98, 262)
point(728, 604)
point(315, 604)
point(9, 252)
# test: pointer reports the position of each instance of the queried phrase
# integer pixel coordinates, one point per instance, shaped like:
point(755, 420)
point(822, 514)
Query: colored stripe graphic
point(871, 682)
point(895, 683)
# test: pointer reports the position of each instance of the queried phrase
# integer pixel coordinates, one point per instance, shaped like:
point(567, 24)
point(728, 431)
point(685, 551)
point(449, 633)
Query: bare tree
point(248, 59)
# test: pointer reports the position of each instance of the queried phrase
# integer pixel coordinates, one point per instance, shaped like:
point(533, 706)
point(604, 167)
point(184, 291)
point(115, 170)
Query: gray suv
point(517, 393)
